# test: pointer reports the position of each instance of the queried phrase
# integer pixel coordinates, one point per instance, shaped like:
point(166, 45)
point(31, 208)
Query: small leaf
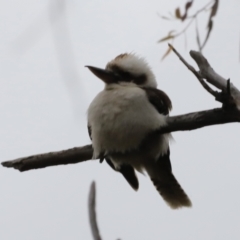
point(210, 27)
point(188, 5)
point(214, 9)
point(210, 22)
point(198, 37)
point(170, 32)
point(165, 38)
point(166, 53)
point(164, 17)
point(178, 13)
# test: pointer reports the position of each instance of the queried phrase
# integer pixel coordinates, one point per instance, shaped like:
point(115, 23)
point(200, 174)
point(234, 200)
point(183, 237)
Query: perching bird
point(123, 120)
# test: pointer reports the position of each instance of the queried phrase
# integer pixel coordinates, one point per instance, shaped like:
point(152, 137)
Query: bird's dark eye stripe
point(128, 77)
point(140, 79)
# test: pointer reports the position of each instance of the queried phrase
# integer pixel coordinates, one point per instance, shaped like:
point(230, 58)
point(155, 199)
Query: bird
point(123, 123)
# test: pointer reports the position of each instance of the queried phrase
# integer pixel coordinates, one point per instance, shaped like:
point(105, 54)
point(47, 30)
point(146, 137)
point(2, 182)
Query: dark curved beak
point(105, 75)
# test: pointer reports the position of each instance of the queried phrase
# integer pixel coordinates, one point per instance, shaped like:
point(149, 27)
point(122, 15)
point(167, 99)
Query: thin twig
point(177, 16)
point(204, 8)
point(184, 29)
point(92, 212)
point(192, 69)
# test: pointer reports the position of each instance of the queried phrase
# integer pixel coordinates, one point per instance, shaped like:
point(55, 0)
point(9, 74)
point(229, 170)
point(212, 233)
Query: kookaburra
point(123, 123)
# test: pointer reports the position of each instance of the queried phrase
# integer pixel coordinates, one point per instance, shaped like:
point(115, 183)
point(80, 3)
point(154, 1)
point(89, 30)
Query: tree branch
point(69, 156)
point(92, 212)
point(207, 71)
point(230, 112)
point(214, 78)
point(186, 122)
point(196, 73)
point(196, 120)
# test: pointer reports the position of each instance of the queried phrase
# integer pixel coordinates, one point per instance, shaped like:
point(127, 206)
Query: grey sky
point(43, 106)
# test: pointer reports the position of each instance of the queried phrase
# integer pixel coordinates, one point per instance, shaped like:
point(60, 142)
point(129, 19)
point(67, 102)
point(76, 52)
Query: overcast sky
point(44, 95)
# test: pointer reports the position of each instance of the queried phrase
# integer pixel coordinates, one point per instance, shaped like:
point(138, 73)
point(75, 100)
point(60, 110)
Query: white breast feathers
point(120, 117)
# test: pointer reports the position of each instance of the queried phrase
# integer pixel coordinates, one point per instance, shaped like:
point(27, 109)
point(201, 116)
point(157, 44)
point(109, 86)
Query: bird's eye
point(141, 79)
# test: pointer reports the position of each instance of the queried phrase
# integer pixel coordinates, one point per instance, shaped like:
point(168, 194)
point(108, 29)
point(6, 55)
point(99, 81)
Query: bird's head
point(127, 68)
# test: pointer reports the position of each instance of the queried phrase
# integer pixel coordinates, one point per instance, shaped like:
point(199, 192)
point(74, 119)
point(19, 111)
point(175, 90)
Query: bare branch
point(196, 120)
point(207, 72)
point(69, 156)
point(186, 122)
point(92, 212)
point(192, 69)
point(227, 114)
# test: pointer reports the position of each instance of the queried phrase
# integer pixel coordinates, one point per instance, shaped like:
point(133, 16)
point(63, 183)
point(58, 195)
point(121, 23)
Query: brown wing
point(89, 131)
point(158, 99)
point(160, 171)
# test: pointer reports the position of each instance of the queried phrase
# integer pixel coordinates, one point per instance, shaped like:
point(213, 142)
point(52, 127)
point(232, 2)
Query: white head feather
point(134, 65)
